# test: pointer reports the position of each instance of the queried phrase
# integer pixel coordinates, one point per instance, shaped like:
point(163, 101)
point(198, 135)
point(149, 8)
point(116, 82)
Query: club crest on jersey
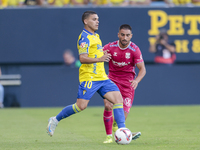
point(84, 91)
point(115, 54)
point(127, 55)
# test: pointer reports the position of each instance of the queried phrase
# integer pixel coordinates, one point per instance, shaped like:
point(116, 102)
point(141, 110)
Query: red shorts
point(127, 92)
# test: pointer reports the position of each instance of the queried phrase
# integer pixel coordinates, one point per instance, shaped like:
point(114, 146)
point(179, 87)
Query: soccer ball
point(123, 136)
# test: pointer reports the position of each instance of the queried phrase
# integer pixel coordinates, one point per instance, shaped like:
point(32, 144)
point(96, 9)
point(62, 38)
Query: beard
point(125, 42)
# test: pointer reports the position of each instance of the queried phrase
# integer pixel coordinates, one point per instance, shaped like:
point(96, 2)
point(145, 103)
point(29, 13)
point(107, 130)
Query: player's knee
point(108, 106)
point(82, 106)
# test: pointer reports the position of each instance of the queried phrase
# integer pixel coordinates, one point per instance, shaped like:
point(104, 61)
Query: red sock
point(108, 121)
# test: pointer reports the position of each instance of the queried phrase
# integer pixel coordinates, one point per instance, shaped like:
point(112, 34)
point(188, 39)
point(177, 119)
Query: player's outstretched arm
point(84, 59)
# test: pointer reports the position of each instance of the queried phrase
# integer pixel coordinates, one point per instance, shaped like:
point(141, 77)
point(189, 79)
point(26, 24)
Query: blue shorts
point(87, 88)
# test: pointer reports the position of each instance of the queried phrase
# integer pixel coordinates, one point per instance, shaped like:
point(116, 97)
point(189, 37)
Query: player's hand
point(134, 83)
point(106, 57)
point(106, 51)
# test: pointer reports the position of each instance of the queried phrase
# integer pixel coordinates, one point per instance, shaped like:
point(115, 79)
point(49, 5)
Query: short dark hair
point(125, 26)
point(86, 14)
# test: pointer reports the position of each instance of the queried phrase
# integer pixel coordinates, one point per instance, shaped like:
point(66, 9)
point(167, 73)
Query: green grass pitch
point(162, 128)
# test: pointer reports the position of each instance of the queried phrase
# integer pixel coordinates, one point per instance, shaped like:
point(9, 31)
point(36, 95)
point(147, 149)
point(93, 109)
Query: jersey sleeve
point(138, 56)
point(83, 45)
point(106, 47)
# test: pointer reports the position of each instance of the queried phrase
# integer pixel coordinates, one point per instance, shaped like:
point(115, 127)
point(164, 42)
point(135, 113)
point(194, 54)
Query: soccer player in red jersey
point(125, 56)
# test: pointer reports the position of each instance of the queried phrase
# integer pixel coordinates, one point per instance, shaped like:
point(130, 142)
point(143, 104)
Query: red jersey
point(123, 62)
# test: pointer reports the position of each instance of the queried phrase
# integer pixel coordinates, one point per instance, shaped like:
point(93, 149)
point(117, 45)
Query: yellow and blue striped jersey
point(90, 44)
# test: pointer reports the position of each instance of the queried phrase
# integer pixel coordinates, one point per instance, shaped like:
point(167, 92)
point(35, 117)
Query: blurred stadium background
point(33, 40)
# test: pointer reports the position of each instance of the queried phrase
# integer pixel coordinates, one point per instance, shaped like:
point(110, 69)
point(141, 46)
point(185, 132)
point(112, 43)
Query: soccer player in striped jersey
point(125, 56)
point(92, 75)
